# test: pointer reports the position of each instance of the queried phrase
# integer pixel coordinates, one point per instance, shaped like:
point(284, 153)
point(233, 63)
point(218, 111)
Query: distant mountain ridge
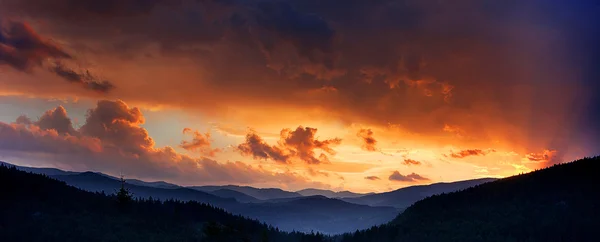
point(318, 213)
point(259, 193)
point(330, 194)
point(404, 197)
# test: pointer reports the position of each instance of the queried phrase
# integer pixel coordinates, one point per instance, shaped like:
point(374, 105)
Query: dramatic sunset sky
point(357, 95)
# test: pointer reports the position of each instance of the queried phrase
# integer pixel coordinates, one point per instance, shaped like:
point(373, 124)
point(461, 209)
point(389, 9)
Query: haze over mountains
point(539, 206)
point(405, 197)
point(307, 210)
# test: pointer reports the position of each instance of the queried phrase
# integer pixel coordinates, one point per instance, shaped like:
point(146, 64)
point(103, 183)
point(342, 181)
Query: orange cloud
point(302, 143)
point(372, 178)
point(200, 143)
point(546, 157)
point(112, 141)
point(369, 141)
point(256, 147)
point(466, 153)
point(447, 72)
point(299, 144)
point(413, 177)
point(409, 162)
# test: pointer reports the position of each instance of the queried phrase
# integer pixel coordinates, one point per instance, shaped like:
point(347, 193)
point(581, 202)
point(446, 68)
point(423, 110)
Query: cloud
point(409, 162)
point(256, 147)
point(314, 172)
point(293, 144)
point(413, 177)
point(466, 153)
point(310, 34)
point(23, 49)
point(118, 125)
point(372, 178)
point(31, 138)
point(547, 157)
point(84, 79)
point(87, 9)
point(112, 141)
point(301, 143)
point(200, 143)
point(416, 64)
point(369, 141)
point(55, 119)
point(22, 119)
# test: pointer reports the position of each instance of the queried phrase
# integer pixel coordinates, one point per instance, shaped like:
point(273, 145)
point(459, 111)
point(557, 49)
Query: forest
point(35, 207)
point(558, 203)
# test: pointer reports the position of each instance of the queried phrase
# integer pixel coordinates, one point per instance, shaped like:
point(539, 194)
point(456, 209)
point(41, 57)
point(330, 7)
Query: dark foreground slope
point(37, 208)
point(560, 203)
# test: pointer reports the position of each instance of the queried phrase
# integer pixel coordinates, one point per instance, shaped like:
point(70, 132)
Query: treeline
point(35, 207)
point(559, 203)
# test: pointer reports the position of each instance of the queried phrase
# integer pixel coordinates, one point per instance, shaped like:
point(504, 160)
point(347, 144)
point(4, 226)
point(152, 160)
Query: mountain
point(157, 184)
point(330, 194)
point(293, 213)
point(240, 197)
point(98, 182)
point(318, 214)
point(259, 193)
point(45, 171)
point(35, 207)
point(404, 197)
point(559, 203)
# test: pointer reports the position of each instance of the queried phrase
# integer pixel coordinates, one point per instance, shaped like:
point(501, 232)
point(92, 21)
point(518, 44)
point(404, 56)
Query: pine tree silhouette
point(124, 196)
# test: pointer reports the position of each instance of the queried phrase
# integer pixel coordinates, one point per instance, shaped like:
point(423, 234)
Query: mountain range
point(559, 203)
point(306, 210)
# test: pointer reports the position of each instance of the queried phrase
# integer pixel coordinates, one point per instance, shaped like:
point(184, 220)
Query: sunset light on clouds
point(294, 94)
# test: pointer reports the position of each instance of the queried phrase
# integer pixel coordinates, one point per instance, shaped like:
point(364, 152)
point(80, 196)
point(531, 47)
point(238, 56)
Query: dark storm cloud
point(84, 79)
point(22, 48)
point(491, 68)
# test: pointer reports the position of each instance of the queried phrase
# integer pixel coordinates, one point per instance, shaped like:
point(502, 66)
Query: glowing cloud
point(412, 177)
point(200, 143)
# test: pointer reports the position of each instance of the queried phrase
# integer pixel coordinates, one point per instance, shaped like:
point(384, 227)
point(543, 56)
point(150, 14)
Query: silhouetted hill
point(157, 184)
point(329, 194)
point(560, 203)
point(259, 193)
point(305, 216)
point(98, 182)
point(35, 207)
point(45, 171)
point(319, 214)
point(404, 197)
point(240, 197)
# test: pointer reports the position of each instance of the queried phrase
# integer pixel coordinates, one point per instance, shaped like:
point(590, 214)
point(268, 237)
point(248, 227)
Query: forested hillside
point(37, 208)
point(560, 203)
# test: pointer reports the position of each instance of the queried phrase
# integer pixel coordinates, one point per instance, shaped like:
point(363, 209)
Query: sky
point(366, 96)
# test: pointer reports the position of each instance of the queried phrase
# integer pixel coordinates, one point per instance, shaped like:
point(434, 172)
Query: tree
point(124, 196)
